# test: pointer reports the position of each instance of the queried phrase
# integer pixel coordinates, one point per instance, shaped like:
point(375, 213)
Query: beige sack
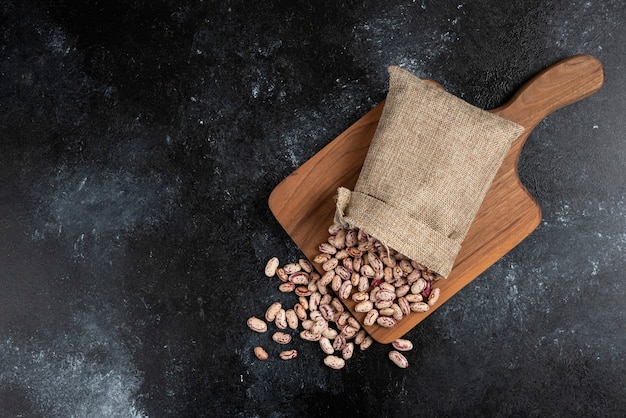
point(431, 161)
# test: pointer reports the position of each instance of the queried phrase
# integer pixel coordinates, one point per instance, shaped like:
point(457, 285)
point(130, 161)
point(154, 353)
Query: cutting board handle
point(559, 85)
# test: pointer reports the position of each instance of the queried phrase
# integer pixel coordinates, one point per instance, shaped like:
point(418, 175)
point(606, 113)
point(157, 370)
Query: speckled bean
point(381, 304)
point(326, 345)
point(337, 305)
point(281, 337)
point(363, 284)
point(306, 265)
point(398, 359)
point(302, 291)
point(386, 311)
point(327, 248)
point(280, 272)
point(364, 306)
point(322, 258)
point(336, 283)
point(260, 353)
point(343, 272)
point(299, 278)
point(419, 307)
point(319, 326)
point(360, 297)
point(330, 264)
point(370, 317)
point(292, 318)
point(300, 311)
point(334, 228)
point(309, 336)
point(345, 290)
point(339, 342)
point(314, 301)
point(327, 278)
point(386, 321)
point(402, 344)
point(397, 312)
point(366, 343)
point(354, 323)
point(288, 354)
point(349, 332)
point(384, 294)
point(360, 336)
point(434, 296)
point(347, 351)
point(412, 298)
point(316, 315)
point(271, 266)
point(292, 268)
point(330, 333)
point(281, 319)
point(402, 290)
point(272, 311)
point(256, 324)
point(418, 286)
point(334, 362)
point(287, 287)
point(404, 306)
point(327, 312)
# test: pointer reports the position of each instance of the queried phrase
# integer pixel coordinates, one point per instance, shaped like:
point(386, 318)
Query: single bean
point(398, 359)
point(260, 353)
point(271, 266)
point(256, 324)
point(288, 354)
point(334, 362)
point(281, 338)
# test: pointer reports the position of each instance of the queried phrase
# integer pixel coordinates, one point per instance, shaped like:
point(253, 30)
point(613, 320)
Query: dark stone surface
point(139, 142)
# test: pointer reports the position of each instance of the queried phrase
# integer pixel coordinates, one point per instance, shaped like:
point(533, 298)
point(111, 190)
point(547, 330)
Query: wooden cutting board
point(304, 202)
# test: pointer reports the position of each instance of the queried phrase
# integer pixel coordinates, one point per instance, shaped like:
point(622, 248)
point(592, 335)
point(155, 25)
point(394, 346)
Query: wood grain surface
point(304, 202)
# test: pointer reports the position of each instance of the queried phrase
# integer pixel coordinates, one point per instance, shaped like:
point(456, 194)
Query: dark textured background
point(139, 142)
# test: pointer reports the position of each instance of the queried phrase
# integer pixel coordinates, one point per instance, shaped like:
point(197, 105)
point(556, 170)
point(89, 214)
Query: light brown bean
point(281, 337)
point(256, 324)
point(287, 287)
point(288, 354)
point(292, 318)
point(260, 353)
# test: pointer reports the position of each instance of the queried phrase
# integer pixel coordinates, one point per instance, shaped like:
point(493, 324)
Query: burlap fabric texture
point(431, 161)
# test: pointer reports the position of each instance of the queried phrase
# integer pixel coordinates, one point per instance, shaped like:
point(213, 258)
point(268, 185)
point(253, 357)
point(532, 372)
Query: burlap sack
point(431, 161)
